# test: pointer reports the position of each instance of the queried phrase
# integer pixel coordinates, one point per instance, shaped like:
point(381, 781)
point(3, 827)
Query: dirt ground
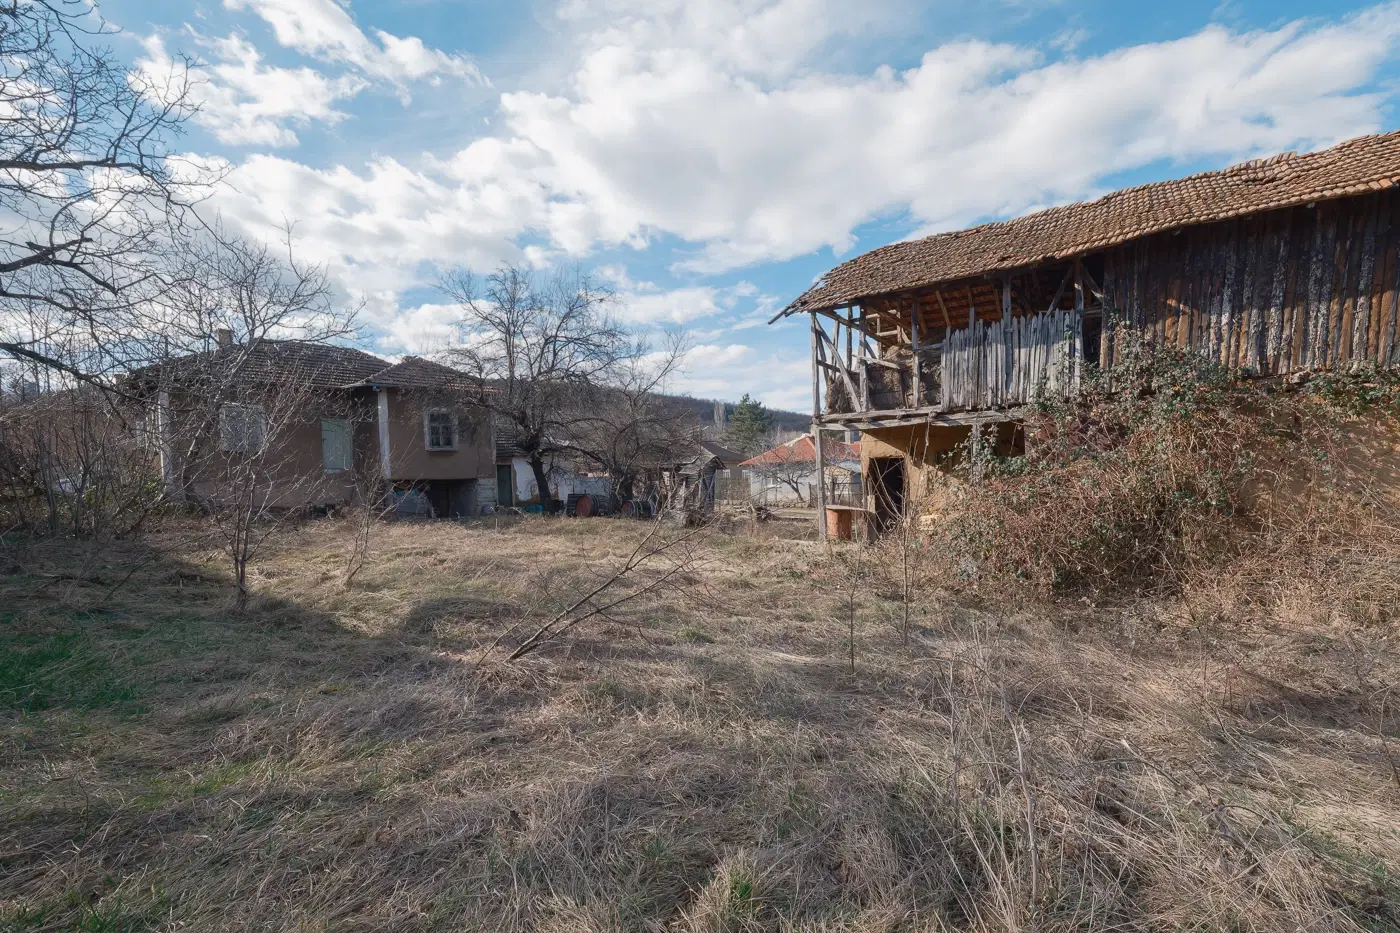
point(772, 738)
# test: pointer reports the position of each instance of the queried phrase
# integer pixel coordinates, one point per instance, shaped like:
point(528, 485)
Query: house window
point(440, 430)
point(335, 445)
point(242, 428)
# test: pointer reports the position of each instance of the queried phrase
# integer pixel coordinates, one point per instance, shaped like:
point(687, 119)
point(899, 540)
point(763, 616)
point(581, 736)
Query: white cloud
point(677, 306)
point(325, 29)
point(727, 371)
point(244, 102)
point(714, 123)
point(645, 303)
point(1069, 39)
point(380, 228)
point(422, 330)
point(671, 126)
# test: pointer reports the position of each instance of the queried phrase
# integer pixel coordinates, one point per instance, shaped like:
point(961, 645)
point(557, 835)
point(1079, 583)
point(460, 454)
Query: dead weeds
point(702, 759)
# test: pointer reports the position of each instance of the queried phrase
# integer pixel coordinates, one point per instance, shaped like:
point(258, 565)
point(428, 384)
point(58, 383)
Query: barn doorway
point(887, 489)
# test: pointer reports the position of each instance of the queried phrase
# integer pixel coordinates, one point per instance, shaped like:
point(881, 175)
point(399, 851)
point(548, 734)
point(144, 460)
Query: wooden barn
point(1275, 267)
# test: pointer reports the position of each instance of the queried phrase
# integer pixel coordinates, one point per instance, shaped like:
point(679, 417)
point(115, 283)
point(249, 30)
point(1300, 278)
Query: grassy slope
point(337, 760)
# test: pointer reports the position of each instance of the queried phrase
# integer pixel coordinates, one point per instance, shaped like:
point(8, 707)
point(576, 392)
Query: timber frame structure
point(1271, 268)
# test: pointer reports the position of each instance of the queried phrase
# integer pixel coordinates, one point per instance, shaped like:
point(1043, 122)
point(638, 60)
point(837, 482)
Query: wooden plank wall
point(1008, 362)
point(1309, 288)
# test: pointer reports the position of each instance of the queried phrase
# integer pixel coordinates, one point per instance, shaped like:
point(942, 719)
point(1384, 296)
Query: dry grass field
point(703, 758)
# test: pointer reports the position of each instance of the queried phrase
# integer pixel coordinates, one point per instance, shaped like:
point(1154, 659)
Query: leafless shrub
point(229, 411)
point(77, 462)
point(1166, 486)
point(671, 558)
point(369, 505)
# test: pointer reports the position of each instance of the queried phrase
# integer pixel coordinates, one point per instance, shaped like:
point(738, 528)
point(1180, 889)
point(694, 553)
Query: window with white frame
point(242, 428)
point(336, 449)
point(439, 430)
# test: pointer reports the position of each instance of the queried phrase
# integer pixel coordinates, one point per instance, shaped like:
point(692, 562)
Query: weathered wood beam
point(1060, 292)
point(863, 399)
point(873, 420)
point(947, 321)
point(915, 366)
point(817, 336)
point(824, 340)
point(1088, 279)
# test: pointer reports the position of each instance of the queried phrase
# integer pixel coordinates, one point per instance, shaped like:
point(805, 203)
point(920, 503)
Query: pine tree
point(748, 425)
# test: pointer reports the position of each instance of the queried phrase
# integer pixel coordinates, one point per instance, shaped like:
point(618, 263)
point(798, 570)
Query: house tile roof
point(802, 450)
point(414, 372)
point(507, 440)
point(720, 452)
point(1368, 163)
point(320, 365)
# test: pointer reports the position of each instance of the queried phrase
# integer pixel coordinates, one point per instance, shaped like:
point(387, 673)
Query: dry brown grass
point(337, 759)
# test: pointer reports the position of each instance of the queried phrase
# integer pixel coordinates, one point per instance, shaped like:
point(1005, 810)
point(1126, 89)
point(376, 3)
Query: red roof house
point(802, 450)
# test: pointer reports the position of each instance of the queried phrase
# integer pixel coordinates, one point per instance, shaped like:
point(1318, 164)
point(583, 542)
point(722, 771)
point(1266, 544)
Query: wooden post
point(384, 465)
point(850, 341)
point(167, 445)
point(864, 402)
point(817, 426)
point(914, 342)
point(1075, 349)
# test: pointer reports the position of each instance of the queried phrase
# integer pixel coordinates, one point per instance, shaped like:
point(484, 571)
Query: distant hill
point(704, 409)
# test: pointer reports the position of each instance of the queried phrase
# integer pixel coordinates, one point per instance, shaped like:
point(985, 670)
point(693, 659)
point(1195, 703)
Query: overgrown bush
point(1167, 469)
point(75, 462)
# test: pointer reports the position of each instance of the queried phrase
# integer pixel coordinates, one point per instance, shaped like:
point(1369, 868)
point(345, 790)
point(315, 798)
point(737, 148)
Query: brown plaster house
point(306, 425)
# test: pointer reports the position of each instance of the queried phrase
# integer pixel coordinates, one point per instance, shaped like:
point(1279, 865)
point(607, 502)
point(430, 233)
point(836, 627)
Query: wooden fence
point(1010, 361)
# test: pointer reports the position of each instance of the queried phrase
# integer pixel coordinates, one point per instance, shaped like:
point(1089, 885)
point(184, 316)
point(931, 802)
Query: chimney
point(223, 336)
point(719, 415)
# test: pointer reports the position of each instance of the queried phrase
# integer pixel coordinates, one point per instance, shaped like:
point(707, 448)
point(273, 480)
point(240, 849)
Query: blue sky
point(710, 158)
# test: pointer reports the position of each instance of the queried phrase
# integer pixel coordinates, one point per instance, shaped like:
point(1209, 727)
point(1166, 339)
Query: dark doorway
point(1093, 339)
point(505, 486)
point(887, 489)
point(452, 498)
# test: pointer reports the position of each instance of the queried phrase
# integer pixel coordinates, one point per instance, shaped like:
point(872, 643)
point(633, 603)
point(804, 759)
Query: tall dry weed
point(1169, 473)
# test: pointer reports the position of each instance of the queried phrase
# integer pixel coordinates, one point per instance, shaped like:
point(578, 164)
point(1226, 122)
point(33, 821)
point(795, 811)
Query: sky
point(709, 159)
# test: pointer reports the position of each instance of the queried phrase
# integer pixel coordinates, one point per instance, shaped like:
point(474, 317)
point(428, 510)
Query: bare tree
point(247, 297)
point(370, 505)
point(628, 427)
point(671, 558)
point(535, 350)
point(225, 414)
point(69, 462)
point(91, 194)
point(786, 471)
point(792, 466)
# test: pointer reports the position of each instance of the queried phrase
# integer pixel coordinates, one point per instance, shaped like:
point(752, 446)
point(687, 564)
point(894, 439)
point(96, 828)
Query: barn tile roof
point(1368, 163)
